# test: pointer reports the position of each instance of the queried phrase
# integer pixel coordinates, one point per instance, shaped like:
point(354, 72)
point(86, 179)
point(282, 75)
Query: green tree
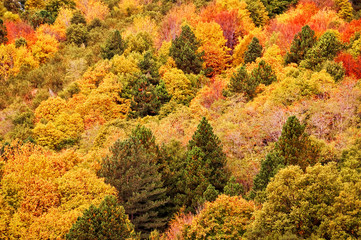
point(258, 12)
point(301, 44)
point(77, 34)
point(150, 67)
point(184, 51)
point(326, 48)
point(253, 52)
point(108, 221)
point(241, 82)
point(275, 7)
point(263, 74)
point(205, 165)
point(114, 45)
point(54, 6)
point(3, 33)
point(78, 18)
point(132, 169)
point(233, 188)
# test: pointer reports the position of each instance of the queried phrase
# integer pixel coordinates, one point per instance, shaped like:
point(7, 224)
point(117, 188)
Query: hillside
point(171, 119)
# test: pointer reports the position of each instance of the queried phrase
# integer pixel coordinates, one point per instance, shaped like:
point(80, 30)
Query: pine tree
point(275, 7)
point(114, 45)
point(77, 34)
point(258, 12)
point(78, 18)
point(184, 51)
point(241, 82)
point(233, 188)
point(254, 51)
point(3, 33)
point(263, 74)
point(132, 169)
point(108, 222)
point(205, 164)
point(150, 67)
point(301, 44)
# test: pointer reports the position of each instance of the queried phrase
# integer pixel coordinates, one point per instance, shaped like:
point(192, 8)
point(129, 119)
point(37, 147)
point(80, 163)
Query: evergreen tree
point(325, 49)
point(275, 7)
point(263, 74)
point(132, 169)
point(233, 188)
point(108, 222)
point(54, 6)
point(114, 45)
point(210, 194)
point(301, 44)
point(3, 33)
point(184, 51)
point(241, 82)
point(254, 51)
point(205, 164)
point(258, 12)
point(150, 67)
point(77, 34)
point(78, 18)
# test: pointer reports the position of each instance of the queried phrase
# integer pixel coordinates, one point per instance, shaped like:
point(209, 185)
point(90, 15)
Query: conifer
point(78, 18)
point(263, 74)
point(301, 44)
point(184, 51)
point(114, 45)
point(132, 169)
point(3, 33)
point(254, 51)
point(241, 82)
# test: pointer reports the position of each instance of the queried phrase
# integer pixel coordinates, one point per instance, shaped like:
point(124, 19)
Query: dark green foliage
point(210, 194)
point(150, 67)
point(78, 18)
point(269, 167)
point(23, 124)
point(257, 12)
point(275, 7)
point(184, 51)
point(325, 49)
point(263, 74)
point(233, 188)
point(241, 82)
point(301, 44)
point(53, 6)
point(77, 34)
point(114, 46)
point(132, 169)
point(20, 42)
point(253, 52)
point(336, 70)
point(3, 33)
point(205, 165)
point(41, 17)
point(108, 222)
point(95, 23)
point(146, 98)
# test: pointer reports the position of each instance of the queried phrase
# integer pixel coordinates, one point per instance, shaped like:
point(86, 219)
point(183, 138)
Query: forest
point(180, 119)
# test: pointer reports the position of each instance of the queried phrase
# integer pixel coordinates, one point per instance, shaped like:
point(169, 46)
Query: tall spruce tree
point(301, 44)
point(253, 52)
point(241, 82)
point(275, 7)
point(263, 74)
point(132, 169)
point(184, 51)
point(114, 45)
point(3, 33)
point(205, 164)
point(107, 222)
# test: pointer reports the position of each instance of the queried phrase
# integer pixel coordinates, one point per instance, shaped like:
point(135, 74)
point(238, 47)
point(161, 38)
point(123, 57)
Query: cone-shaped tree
point(254, 51)
point(184, 51)
point(241, 82)
point(3, 33)
point(114, 46)
point(205, 164)
point(263, 74)
point(258, 12)
point(150, 67)
point(108, 222)
point(302, 42)
point(275, 7)
point(132, 169)
point(78, 18)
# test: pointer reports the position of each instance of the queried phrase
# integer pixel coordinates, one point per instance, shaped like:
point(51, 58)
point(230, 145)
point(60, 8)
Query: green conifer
point(3, 33)
point(241, 82)
point(108, 222)
point(78, 18)
point(184, 51)
point(253, 52)
point(114, 45)
point(263, 74)
point(301, 44)
point(132, 169)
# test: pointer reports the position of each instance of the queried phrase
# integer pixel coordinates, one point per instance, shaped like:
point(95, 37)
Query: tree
point(301, 44)
point(78, 18)
point(184, 51)
point(263, 74)
point(225, 218)
point(114, 45)
point(275, 7)
point(258, 12)
point(241, 82)
point(254, 51)
point(132, 169)
point(3, 33)
point(205, 164)
point(108, 221)
point(345, 9)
